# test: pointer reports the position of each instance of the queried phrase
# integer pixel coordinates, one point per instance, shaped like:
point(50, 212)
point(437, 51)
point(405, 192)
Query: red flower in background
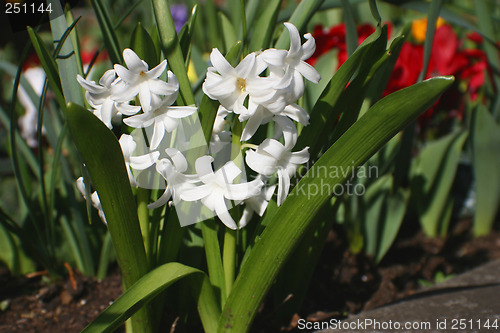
point(447, 58)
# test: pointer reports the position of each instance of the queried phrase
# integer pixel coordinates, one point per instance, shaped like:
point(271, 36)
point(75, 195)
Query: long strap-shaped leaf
point(104, 160)
point(362, 140)
point(150, 286)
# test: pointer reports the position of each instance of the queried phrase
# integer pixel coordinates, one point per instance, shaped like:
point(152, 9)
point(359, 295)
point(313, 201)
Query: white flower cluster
point(244, 90)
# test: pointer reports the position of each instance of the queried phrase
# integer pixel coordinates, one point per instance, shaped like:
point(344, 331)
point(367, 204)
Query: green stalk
point(229, 258)
point(172, 50)
point(244, 25)
point(143, 214)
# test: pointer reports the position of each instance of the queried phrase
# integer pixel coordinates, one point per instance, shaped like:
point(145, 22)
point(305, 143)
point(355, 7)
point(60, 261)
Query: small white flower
point(138, 79)
point(163, 118)
point(231, 86)
point(220, 119)
point(141, 162)
point(100, 97)
point(272, 156)
point(28, 123)
point(94, 198)
point(172, 170)
point(217, 188)
point(293, 59)
point(256, 204)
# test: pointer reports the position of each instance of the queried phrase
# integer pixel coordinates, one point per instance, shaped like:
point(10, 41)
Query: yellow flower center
point(142, 73)
point(241, 84)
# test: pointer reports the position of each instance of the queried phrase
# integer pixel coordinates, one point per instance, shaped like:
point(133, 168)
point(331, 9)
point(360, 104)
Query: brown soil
point(342, 284)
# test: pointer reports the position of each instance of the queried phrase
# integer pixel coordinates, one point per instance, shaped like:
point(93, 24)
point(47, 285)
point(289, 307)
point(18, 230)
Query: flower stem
point(229, 258)
point(244, 24)
point(143, 214)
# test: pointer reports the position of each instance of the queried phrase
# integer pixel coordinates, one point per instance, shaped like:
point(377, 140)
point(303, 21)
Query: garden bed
point(342, 284)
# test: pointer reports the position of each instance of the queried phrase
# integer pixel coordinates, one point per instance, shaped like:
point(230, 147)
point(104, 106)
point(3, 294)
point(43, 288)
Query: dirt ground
point(342, 284)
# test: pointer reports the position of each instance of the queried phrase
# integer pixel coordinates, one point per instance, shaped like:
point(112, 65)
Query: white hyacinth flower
point(172, 170)
point(163, 117)
point(272, 156)
point(141, 162)
point(231, 86)
point(293, 60)
point(94, 199)
point(256, 204)
point(138, 79)
point(217, 188)
point(100, 97)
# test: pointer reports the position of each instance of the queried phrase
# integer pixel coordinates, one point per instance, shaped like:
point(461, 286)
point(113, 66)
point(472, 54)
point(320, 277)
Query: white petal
point(243, 191)
point(246, 66)
point(134, 63)
point(308, 47)
point(160, 87)
point(228, 172)
point(308, 71)
point(220, 63)
point(297, 113)
point(90, 86)
point(170, 124)
point(246, 216)
point(300, 157)
point(158, 134)
point(260, 163)
point(203, 166)
point(181, 111)
point(295, 43)
point(161, 200)
point(144, 161)
point(284, 186)
point(145, 96)
point(178, 159)
point(140, 121)
point(274, 57)
point(273, 148)
point(223, 214)
point(196, 193)
point(289, 131)
point(127, 145)
point(127, 109)
point(156, 72)
point(126, 75)
point(252, 126)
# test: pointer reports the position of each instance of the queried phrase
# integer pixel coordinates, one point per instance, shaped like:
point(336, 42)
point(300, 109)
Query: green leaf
point(49, 66)
point(263, 28)
point(142, 44)
point(432, 17)
point(228, 32)
point(375, 13)
point(65, 55)
point(323, 114)
point(213, 255)
point(149, 286)
point(108, 32)
point(99, 147)
point(171, 48)
point(486, 160)
point(432, 178)
point(350, 26)
point(384, 214)
point(278, 240)
point(301, 15)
